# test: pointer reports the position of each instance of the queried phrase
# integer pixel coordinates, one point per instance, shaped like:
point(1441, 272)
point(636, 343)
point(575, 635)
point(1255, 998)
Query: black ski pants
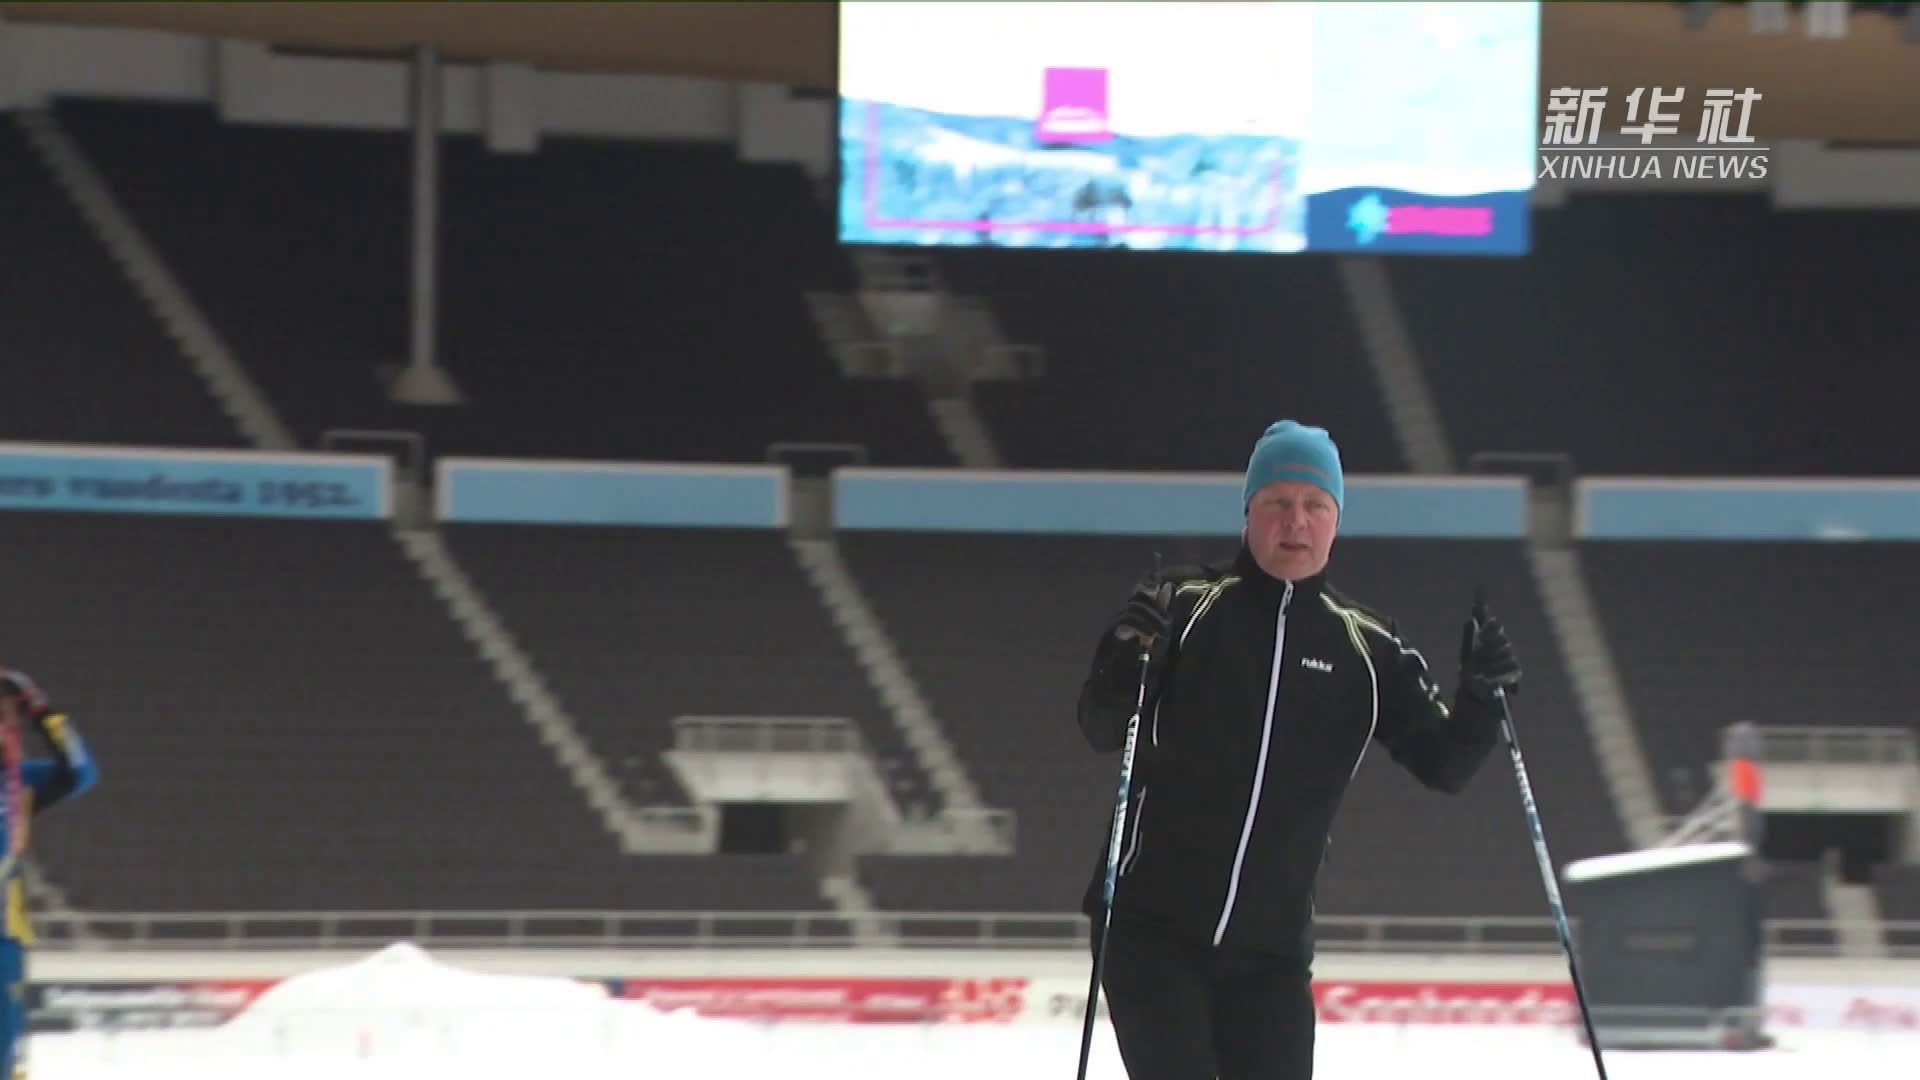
point(1189, 1011)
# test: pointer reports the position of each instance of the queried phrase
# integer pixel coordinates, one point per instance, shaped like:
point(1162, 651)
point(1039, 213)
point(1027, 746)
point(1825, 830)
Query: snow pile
point(403, 980)
point(400, 1012)
point(400, 1002)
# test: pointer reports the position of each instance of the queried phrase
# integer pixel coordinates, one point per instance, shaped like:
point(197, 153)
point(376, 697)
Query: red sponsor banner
point(1538, 1004)
point(852, 1000)
point(1853, 1008)
point(1370, 1002)
point(81, 1005)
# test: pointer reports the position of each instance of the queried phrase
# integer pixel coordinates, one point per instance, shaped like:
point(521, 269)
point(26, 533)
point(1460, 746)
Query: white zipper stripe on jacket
point(1356, 633)
point(1373, 686)
point(1199, 609)
point(1259, 765)
point(1133, 842)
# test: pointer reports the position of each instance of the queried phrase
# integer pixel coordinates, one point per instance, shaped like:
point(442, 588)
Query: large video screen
point(1230, 127)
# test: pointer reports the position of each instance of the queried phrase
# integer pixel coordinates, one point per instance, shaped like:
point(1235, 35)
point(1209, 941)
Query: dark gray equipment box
point(1672, 945)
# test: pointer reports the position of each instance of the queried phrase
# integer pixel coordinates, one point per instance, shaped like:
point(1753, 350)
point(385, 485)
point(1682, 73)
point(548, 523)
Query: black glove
point(1487, 662)
point(1142, 626)
point(20, 686)
point(1144, 621)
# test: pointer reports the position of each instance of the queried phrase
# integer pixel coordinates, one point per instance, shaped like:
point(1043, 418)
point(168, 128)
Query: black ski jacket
point(1254, 726)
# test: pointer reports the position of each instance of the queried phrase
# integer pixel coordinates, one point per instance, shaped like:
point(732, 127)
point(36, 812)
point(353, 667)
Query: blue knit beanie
point(1292, 451)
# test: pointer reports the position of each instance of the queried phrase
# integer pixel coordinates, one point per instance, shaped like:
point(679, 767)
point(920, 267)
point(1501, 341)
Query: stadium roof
point(1858, 88)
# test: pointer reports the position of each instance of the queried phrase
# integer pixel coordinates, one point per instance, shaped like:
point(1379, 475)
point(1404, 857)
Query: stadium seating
point(1468, 855)
point(1792, 891)
point(1678, 334)
point(1706, 634)
point(1898, 885)
point(633, 627)
point(1174, 360)
point(999, 630)
point(86, 361)
point(1898, 888)
point(287, 719)
point(598, 299)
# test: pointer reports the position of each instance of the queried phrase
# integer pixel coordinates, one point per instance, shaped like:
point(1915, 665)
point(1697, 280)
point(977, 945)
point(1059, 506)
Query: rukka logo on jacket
point(1317, 665)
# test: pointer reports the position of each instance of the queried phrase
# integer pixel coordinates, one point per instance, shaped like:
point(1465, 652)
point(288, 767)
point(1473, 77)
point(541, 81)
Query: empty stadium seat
point(1897, 887)
point(1676, 333)
point(634, 627)
point(599, 299)
point(1899, 890)
point(1173, 360)
point(1794, 634)
point(86, 360)
point(286, 718)
point(1793, 892)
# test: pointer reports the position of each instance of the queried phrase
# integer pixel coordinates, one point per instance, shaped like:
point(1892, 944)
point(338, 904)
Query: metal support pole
point(424, 382)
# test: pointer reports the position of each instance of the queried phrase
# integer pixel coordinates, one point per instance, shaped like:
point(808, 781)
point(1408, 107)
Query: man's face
point(1290, 527)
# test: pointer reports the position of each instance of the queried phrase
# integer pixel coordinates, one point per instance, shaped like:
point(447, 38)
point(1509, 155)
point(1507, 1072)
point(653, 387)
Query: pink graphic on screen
point(1073, 106)
point(1440, 220)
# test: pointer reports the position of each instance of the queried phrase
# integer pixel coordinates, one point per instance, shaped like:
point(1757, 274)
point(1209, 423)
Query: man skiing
point(31, 786)
point(1264, 688)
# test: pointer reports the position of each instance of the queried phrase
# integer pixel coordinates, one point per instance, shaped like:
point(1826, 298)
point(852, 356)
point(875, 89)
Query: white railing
point(689, 820)
point(327, 930)
point(955, 831)
point(951, 831)
point(1837, 746)
point(767, 735)
point(1716, 818)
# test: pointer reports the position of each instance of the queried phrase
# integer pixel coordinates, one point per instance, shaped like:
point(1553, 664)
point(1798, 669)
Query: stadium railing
point(951, 830)
point(61, 931)
point(767, 735)
point(1781, 745)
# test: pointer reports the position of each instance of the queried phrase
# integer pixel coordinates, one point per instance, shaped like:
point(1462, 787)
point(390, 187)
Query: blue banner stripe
point(153, 481)
point(1152, 505)
point(594, 493)
point(1630, 509)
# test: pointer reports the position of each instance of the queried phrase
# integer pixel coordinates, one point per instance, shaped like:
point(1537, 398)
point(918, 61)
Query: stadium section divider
point(1634, 508)
point(143, 480)
point(157, 480)
point(610, 493)
point(1160, 504)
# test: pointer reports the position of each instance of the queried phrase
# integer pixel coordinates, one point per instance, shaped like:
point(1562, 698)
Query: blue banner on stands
point(43, 476)
point(1158, 504)
point(1633, 509)
point(497, 491)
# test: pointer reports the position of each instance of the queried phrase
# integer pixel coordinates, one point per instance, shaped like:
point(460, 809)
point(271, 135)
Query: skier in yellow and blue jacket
point(28, 786)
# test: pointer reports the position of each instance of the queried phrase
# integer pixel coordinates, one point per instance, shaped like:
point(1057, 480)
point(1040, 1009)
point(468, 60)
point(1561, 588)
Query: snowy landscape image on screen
point(990, 180)
point(1075, 125)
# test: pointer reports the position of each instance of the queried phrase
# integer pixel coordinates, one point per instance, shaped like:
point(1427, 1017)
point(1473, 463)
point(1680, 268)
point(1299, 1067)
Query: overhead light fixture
point(1768, 16)
point(1827, 19)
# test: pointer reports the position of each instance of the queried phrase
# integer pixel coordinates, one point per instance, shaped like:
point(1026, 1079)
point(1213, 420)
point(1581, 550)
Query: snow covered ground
point(402, 1014)
point(531, 1047)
